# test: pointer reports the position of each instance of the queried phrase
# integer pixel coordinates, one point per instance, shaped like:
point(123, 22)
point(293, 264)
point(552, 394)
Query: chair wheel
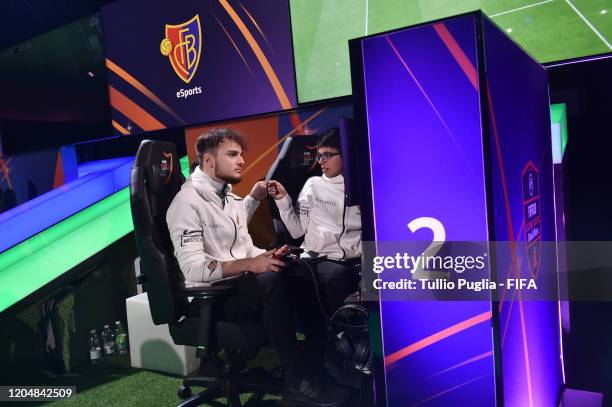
point(184, 391)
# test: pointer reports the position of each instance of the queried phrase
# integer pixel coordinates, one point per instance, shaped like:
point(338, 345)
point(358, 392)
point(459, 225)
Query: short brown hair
point(209, 142)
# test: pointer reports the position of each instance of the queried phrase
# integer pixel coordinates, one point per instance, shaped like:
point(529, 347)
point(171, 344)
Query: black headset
point(348, 331)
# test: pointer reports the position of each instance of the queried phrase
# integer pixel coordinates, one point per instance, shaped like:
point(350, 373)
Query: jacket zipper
point(235, 237)
point(343, 229)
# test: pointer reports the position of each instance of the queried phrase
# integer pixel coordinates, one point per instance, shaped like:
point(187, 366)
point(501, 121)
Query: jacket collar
point(338, 179)
point(207, 187)
point(199, 176)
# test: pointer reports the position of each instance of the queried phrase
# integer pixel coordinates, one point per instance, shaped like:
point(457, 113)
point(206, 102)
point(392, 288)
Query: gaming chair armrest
point(205, 291)
point(203, 298)
point(218, 288)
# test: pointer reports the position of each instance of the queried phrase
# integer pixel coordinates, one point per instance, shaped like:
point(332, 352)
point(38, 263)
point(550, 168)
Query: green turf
point(112, 382)
point(321, 29)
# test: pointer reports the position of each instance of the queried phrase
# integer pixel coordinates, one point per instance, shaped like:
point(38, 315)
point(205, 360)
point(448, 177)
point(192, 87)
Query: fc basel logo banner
point(183, 45)
point(189, 62)
point(531, 213)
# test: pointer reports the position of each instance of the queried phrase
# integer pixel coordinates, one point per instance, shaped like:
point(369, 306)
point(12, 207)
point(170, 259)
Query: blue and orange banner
point(194, 62)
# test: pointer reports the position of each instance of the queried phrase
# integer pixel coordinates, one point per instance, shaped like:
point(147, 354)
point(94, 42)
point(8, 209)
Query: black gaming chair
point(155, 180)
point(294, 165)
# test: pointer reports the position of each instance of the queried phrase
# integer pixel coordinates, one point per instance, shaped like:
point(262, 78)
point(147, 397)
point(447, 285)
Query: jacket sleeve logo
point(183, 45)
point(192, 237)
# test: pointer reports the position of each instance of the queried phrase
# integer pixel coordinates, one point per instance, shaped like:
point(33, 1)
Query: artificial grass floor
point(113, 382)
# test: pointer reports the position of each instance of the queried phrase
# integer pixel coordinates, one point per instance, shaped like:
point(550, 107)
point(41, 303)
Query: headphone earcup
point(349, 334)
point(343, 345)
point(362, 350)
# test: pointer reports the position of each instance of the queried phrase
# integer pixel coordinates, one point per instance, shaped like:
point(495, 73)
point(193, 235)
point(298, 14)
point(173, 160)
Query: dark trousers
point(337, 281)
point(316, 292)
point(265, 296)
point(276, 298)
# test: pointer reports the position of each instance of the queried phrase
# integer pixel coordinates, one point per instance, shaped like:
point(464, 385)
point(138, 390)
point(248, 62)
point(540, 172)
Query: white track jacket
point(207, 229)
point(330, 227)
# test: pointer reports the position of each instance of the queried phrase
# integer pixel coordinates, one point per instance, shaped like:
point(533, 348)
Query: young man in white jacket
point(330, 227)
point(208, 228)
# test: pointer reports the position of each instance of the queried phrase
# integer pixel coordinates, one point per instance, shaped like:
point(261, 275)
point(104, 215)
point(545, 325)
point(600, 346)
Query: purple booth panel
point(426, 152)
point(523, 204)
point(430, 168)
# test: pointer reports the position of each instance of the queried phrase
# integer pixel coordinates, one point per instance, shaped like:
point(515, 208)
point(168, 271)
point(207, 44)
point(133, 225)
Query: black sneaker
point(309, 392)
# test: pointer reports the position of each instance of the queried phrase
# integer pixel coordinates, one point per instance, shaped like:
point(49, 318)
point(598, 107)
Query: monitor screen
point(549, 30)
point(191, 62)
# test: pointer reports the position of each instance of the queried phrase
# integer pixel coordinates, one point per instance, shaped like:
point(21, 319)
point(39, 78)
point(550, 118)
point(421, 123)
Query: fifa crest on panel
point(531, 215)
point(183, 45)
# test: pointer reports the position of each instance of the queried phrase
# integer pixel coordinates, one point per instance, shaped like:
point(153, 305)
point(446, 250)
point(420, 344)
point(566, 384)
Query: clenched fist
point(276, 190)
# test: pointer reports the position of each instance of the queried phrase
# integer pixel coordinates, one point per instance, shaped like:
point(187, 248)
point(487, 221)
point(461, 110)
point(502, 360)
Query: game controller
point(293, 255)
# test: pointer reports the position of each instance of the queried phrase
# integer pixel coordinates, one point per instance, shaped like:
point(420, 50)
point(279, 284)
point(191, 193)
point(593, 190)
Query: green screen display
point(550, 30)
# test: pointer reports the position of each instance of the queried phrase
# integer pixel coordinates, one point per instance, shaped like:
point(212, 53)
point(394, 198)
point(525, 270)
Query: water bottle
point(108, 341)
point(95, 349)
point(121, 338)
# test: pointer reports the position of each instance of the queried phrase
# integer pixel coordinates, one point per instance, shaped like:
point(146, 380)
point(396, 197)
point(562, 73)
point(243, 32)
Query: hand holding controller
point(288, 254)
point(291, 257)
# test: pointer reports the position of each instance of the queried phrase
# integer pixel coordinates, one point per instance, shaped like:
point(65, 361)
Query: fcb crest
point(531, 213)
point(182, 45)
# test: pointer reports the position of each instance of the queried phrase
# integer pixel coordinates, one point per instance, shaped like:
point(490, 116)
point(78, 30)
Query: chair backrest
point(155, 180)
point(295, 164)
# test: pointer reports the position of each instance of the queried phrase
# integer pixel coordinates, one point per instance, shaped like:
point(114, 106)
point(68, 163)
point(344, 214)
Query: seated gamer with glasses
point(330, 227)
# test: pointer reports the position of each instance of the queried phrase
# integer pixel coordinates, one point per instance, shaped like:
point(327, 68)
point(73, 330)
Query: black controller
point(293, 255)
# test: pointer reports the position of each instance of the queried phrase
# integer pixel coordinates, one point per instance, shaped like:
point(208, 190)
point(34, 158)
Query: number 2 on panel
point(439, 234)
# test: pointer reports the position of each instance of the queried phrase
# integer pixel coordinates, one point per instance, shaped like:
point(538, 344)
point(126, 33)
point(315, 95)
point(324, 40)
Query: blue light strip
point(98, 180)
point(103, 165)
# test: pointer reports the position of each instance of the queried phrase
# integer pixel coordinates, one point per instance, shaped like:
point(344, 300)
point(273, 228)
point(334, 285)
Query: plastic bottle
point(121, 339)
point(95, 349)
point(108, 341)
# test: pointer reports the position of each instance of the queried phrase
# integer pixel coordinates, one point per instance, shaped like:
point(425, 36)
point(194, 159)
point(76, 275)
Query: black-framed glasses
point(325, 156)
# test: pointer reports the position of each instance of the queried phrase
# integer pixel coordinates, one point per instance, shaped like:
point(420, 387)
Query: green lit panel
point(558, 121)
point(39, 260)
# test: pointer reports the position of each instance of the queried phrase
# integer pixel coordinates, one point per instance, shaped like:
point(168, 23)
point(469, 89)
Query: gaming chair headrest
point(160, 165)
point(296, 163)
point(155, 180)
point(300, 152)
